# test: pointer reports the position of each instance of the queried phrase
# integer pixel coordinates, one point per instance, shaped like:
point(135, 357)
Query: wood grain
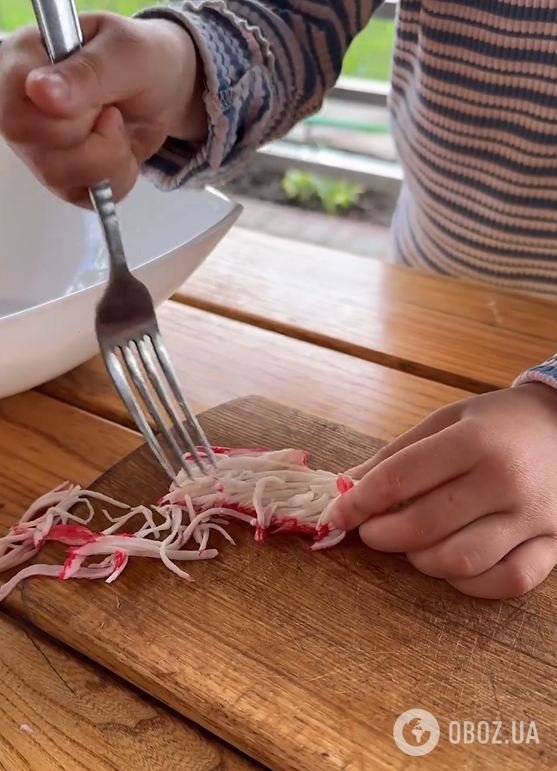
point(450, 331)
point(60, 712)
point(82, 718)
point(217, 359)
point(44, 442)
point(302, 660)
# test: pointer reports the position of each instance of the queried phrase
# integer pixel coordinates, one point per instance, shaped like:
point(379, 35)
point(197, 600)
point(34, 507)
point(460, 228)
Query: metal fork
point(126, 323)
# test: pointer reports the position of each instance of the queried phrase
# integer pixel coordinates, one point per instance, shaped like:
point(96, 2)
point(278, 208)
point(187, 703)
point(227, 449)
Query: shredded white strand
point(270, 491)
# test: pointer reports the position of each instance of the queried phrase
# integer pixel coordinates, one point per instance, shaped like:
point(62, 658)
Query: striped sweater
point(474, 117)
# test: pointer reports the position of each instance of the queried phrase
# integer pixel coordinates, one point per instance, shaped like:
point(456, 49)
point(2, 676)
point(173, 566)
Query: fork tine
point(191, 420)
point(157, 384)
point(139, 382)
point(116, 372)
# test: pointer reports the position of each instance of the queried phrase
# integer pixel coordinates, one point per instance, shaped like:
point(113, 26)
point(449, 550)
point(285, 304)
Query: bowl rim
point(228, 220)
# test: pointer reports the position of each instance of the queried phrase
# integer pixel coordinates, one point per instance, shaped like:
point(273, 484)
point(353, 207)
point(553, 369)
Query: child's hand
point(480, 481)
point(106, 109)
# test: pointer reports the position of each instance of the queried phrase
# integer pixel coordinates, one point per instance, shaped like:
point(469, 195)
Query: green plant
point(334, 194)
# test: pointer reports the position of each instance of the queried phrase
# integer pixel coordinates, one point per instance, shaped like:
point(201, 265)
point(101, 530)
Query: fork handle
point(61, 33)
point(60, 29)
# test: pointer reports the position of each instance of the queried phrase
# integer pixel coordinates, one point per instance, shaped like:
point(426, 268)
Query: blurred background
point(334, 179)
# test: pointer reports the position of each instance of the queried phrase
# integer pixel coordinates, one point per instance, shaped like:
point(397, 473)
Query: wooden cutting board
point(305, 660)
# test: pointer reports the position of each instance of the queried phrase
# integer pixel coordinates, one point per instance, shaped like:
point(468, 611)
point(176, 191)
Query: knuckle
point(21, 52)
point(521, 579)
point(516, 487)
point(16, 62)
point(510, 465)
point(456, 564)
point(122, 36)
point(460, 565)
point(20, 41)
point(126, 31)
point(479, 438)
point(28, 37)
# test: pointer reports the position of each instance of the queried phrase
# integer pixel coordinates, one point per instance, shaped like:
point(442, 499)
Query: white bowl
point(53, 265)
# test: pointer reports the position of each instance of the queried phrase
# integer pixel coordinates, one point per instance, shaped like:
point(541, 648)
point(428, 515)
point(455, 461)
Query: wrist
point(541, 392)
point(186, 117)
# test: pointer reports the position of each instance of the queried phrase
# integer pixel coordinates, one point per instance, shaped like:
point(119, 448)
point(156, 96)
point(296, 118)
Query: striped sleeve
point(267, 66)
point(542, 373)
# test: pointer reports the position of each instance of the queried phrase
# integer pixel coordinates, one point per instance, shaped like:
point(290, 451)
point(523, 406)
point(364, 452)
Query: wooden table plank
point(451, 331)
point(218, 359)
point(61, 712)
point(106, 725)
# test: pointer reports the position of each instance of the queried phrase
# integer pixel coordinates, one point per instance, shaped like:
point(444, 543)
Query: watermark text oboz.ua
point(493, 732)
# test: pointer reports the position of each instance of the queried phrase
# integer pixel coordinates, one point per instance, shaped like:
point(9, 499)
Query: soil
point(265, 185)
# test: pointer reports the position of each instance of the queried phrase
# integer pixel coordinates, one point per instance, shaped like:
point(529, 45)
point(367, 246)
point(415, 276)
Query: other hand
point(469, 494)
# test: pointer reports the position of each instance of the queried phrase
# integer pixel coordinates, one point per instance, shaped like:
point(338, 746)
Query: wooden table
point(373, 346)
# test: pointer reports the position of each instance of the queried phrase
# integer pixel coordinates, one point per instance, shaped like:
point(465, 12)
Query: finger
point(27, 127)
point(434, 423)
point(434, 517)
point(408, 474)
point(518, 573)
point(20, 120)
point(110, 68)
point(105, 155)
point(476, 548)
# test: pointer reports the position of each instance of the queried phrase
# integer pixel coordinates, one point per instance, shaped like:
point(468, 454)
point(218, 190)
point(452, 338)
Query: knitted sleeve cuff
point(237, 97)
point(541, 373)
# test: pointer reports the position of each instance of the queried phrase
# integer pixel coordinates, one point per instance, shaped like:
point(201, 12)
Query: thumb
point(103, 72)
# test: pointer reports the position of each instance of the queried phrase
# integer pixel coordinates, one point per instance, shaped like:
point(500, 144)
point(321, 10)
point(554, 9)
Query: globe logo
point(416, 732)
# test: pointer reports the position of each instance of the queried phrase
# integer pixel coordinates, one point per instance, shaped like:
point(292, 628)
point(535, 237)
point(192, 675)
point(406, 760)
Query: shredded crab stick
point(271, 491)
